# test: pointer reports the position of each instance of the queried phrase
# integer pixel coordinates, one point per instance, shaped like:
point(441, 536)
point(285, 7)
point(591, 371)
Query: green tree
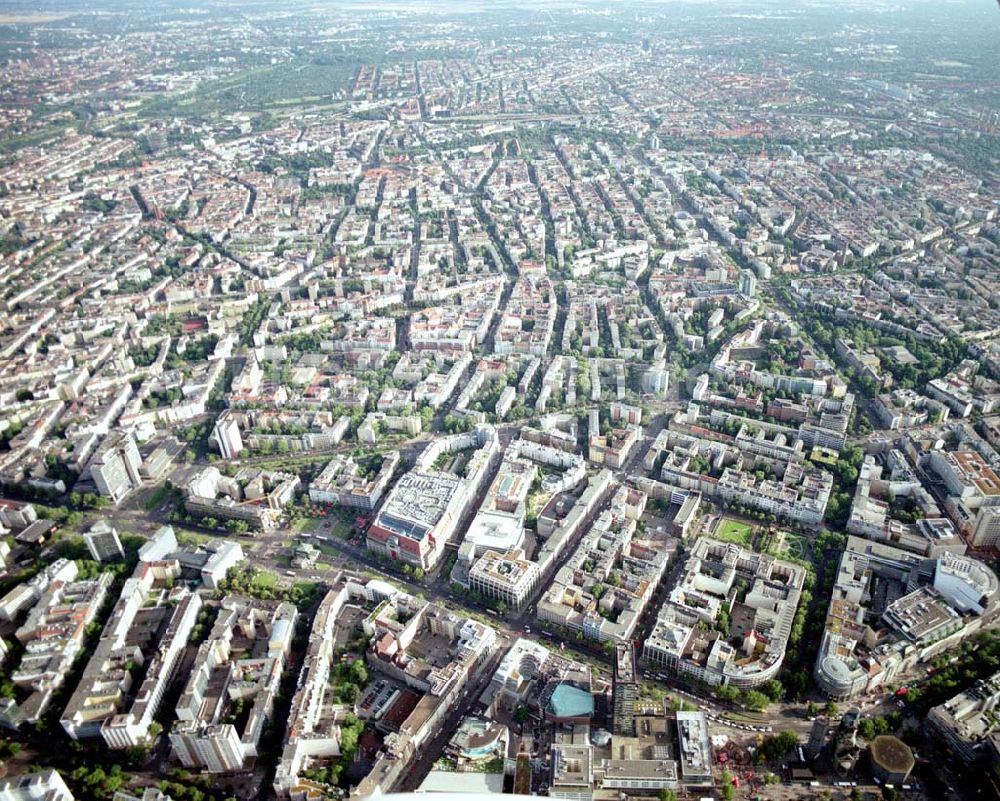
point(722, 622)
point(726, 692)
point(775, 747)
point(727, 791)
point(756, 700)
point(774, 690)
point(359, 673)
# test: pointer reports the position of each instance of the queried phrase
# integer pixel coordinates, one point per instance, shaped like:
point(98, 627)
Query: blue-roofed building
point(569, 702)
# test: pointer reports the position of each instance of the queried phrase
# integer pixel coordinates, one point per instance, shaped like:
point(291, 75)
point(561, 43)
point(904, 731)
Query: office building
point(159, 545)
point(46, 785)
point(104, 543)
point(926, 607)
point(695, 751)
point(505, 577)
point(968, 476)
point(115, 468)
point(420, 514)
point(968, 720)
point(656, 380)
point(15, 515)
point(227, 435)
point(986, 528)
point(624, 690)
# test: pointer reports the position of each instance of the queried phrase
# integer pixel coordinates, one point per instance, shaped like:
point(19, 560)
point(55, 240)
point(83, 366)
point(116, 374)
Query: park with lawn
point(735, 531)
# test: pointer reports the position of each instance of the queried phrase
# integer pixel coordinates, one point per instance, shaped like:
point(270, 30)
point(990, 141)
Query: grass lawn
point(187, 537)
point(795, 546)
point(745, 717)
point(730, 530)
point(307, 524)
point(341, 525)
point(264, 580)
point(156, 497)
point(536, 502)
point(327, 549)
point(784, 545)
point(339, 521)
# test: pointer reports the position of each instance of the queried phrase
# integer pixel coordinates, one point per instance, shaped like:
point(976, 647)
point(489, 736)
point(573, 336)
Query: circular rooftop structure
point(836, 677)
point(529, 666)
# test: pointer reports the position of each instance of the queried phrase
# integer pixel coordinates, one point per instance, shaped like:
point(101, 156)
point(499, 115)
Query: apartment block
point(254, 496)
point(751, 597)
point(227, 435)
point(229, 695)
point(52, 636)
point(344, 482)
point(124, 681)
point(606, 584)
